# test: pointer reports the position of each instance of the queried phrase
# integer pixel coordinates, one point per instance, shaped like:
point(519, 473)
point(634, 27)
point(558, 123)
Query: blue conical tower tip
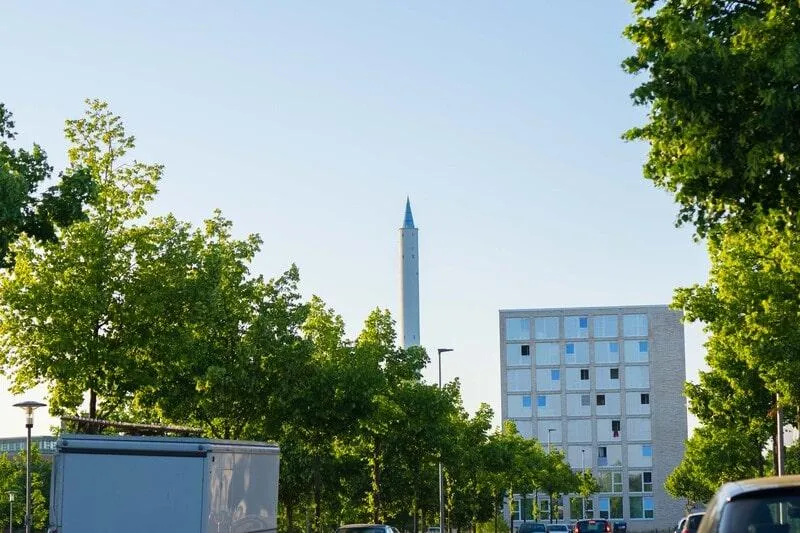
point(408, 221)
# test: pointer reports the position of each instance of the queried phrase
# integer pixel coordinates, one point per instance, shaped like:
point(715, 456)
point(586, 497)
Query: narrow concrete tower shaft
point(409, 280)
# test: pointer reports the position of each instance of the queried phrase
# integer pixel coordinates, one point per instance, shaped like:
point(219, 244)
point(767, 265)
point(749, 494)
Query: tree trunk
point(289, 517)
point(376, 481)
point(92, 403)
point(317, 496)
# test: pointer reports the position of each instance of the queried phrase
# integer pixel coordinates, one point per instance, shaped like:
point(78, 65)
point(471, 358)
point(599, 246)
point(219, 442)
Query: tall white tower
point(409, 280)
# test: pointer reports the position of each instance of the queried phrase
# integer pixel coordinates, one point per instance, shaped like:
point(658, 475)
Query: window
point(526, 400)
point(541, 401)
point(635, 482)
point(546, 327)
point(548, 353)
point(647, 450)
point(518, 380)
point(647, 503)
point(636, 351)
point(605, 326)
point(584, 399)
point(615, 427)
point(604, 507)
point(602, 456)
point(640, 482)
point(576, 327)
point(518, 329)
point(580, 508)
point(616, 482)
point(516, 354)
point(555, 374)
point(644, 399)
point(606, 352)
point(637, 508)
point(601, 399)
point(637, 377)
point(614, 373)
point(576, 353)
point(634, 325)
point(584, 374)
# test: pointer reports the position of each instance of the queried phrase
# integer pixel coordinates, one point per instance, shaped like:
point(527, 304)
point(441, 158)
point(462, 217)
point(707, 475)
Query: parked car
point(620, 527)
point(557, 528)
point(691, 522)
point(679, 527)
point(532, 527)
point(593, 526)
point(433, 529)
point(763, 505)
point(366, 528)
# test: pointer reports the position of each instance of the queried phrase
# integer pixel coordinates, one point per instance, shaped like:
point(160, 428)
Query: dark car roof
point(735, 489)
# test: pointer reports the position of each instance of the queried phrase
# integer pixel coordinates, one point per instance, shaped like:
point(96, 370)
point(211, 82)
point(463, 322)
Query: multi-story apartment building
point(605, 385)
point(14, 445)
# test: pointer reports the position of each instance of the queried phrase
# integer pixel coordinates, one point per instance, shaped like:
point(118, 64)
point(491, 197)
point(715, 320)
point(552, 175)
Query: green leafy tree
point(24, 207)
point(714, 456)
point(721, 88)
point(557, 479)
point(226, 344)
point(62, 308)
point(12, 479)
point(470, 491)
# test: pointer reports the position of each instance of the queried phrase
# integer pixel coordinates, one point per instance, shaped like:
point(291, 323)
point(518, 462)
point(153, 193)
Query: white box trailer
point(110, 484)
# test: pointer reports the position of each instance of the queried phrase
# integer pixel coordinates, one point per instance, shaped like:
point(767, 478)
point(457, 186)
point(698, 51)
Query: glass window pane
point(546, 327)
point(605, 326)
point(616, 507)
point(647, 503)
point(526, 401)
point(518, 329)
point(635, 482)
point(576, 327)
point(637, 511)
point(634, 325)
point(547, 353)
point(604, 507)
point(576, 353)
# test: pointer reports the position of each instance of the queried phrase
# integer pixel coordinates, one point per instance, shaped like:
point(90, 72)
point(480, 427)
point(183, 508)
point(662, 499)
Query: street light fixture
point(29, 407)
point(10, 512)
point(440, 351)
point(549, 432)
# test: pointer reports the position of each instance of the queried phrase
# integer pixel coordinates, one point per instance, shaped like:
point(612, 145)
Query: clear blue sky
point(309, 123)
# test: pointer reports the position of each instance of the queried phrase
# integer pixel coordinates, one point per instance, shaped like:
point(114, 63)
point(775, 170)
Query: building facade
point(605, 385)
point(15, 445)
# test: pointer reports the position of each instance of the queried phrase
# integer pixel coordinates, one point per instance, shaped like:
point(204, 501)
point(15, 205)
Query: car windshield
point(592, 526)
point(557, 527)
point(364, 529)
point(693, 521)
point(773, 511)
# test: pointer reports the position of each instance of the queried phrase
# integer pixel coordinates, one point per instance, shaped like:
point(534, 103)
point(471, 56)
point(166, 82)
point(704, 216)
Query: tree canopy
point(24, 207)
point(722, 91)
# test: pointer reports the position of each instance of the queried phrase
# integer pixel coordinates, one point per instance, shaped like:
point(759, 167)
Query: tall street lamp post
point(29, 407)
point(440, 351)
point(10, 512)
point(549, 432)
point(583, 473)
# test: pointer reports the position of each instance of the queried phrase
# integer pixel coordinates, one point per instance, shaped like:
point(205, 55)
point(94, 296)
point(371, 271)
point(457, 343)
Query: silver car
point(762, 505)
